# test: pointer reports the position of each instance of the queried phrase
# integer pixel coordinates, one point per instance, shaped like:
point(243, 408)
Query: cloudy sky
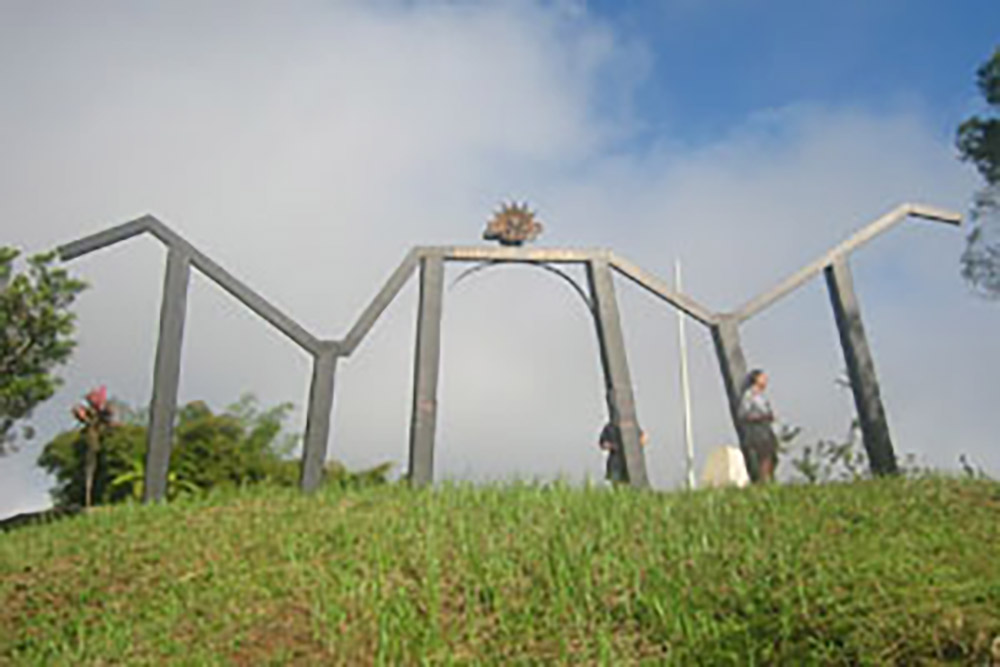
point(306, 146)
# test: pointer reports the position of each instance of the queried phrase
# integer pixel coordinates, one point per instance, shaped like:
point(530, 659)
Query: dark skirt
point(615, 470)
point(759, 444)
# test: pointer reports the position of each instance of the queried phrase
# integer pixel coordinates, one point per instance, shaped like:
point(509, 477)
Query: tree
point(979, 138)
point(36, 336)
point(981, 257)
point(96, 419)
point(978, 142)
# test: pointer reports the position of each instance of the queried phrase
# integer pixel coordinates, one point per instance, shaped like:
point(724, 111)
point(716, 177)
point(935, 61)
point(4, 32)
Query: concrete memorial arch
point(600, 266)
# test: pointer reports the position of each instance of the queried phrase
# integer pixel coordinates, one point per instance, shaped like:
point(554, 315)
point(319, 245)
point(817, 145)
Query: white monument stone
point(725, 467)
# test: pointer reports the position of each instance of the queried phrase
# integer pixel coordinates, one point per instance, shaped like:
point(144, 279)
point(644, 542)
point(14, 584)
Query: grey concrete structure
point(427, 364)
point(863, 236)
point(860, 366)
point(614, 361)
point(181, 256)
point(166, 374)
point(370, 315)
point(733, 366)
point(317, 434)
point(602, 303)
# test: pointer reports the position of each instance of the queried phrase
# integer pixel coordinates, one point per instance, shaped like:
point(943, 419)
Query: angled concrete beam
point(427, 362)
point(392, 287)
point(660, 289)
point(167, 236)
point(860, 369)
point(317, 434)
point(166, 374)
point(855, 241)
point(934, 214)
point(248, 297)
point(614, 362)
point(102, 239)
point(236, 288)
point(252, 300)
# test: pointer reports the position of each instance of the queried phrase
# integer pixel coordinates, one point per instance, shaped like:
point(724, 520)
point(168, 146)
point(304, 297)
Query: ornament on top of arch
point(513, 225)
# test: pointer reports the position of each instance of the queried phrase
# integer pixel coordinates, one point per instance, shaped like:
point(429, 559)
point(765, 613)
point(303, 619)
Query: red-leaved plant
point(96, 418)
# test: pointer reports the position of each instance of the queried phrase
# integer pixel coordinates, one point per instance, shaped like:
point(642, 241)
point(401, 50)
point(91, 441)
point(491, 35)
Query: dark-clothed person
point(615, 470)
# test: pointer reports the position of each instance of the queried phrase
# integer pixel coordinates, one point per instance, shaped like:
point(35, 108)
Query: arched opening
point(522, 389)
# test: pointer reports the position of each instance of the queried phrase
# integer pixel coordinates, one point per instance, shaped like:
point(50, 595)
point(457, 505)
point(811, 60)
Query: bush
point(242, 445)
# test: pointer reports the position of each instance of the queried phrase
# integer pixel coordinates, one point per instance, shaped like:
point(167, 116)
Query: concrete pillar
point(732, 363)
point(317, 435)
point(614, 362)
point(166, 374)
point(426, 369)
point(860, 369)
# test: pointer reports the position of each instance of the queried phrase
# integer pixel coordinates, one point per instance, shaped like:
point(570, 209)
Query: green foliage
point(239, 446)
point(245, 444)
point(981, 257)
point(831, 460)
point(242, 445)
point(845, 460)
point(979, 138)
point(889, 571)
point(36, 336)
point(978, 142)
point(839, 460)
point(133, 479)
point(65, 456)
point(337, 475)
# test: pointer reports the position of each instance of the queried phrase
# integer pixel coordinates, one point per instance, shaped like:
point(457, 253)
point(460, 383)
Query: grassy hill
point(894, 571)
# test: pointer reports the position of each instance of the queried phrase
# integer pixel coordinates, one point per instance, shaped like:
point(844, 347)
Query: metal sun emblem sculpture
point(513, 225)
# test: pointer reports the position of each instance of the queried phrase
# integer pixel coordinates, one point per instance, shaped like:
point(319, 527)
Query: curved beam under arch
point(477, 268)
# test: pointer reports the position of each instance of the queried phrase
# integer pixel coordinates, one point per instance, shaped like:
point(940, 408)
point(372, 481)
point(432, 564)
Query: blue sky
point(712, 63)
point(306, 146)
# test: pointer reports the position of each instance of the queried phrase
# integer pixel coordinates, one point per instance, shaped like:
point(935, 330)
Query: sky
point(306, 146)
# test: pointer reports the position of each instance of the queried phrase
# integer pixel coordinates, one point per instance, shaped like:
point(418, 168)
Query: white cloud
point(306, 149)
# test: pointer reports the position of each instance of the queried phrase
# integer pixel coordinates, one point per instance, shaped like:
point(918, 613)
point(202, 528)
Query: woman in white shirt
point(760, 445)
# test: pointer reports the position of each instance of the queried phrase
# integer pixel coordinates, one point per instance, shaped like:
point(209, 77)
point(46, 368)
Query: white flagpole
point(685, 384)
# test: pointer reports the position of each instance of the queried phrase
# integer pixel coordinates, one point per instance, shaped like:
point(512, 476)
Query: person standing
point(760, 445)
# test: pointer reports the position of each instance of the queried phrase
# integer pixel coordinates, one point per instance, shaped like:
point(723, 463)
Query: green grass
point(895, 571)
